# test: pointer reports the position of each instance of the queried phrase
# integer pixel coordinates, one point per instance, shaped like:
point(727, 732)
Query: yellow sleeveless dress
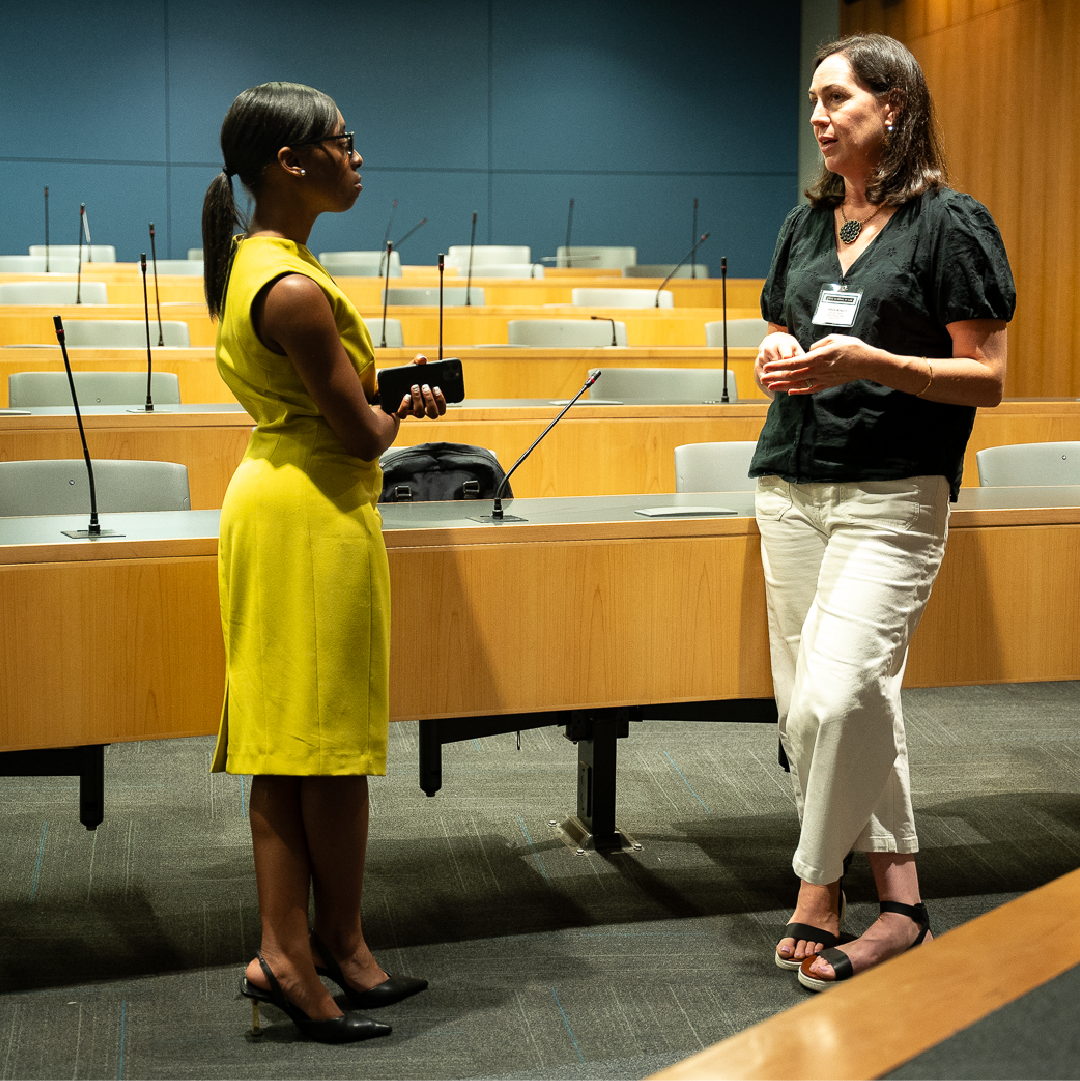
point(303, 576)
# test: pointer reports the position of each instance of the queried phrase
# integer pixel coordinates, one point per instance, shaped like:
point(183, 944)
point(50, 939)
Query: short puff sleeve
point(972, 275)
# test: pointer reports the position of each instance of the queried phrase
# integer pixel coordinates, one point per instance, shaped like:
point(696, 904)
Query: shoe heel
point(256, 1030)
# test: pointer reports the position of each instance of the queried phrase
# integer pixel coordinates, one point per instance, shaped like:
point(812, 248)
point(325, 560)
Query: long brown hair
point(259, 123)
point(913, 160)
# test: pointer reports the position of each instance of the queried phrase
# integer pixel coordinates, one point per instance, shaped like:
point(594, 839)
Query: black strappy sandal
point(807, 933)
point(392, 989)
point(841, 963)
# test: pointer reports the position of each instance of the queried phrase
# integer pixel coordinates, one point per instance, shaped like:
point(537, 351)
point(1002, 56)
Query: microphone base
point(85, 534)
point(576, 835)
point(143, 409)
point(487, 519)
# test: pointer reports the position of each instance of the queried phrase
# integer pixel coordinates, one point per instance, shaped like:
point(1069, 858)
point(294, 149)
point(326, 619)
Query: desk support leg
point(430, 757)
point(92, 786)
point(597, 735)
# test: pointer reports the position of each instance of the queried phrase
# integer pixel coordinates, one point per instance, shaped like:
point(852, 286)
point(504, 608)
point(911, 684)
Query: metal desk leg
point(92, 786)
point(87, 763)
point(597, 734)
point(430, 757)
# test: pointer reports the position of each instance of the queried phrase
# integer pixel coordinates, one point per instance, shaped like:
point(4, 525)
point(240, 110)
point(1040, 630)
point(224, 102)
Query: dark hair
point(913, 160)
point(259, 123)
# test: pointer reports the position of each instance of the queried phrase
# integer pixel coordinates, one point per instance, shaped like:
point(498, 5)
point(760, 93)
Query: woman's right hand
point(777, 345)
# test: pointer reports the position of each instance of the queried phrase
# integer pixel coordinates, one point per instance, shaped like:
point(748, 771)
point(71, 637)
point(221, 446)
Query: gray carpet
point(122, 950)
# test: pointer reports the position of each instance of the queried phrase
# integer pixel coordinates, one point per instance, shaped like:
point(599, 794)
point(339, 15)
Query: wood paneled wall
point(1006, 83)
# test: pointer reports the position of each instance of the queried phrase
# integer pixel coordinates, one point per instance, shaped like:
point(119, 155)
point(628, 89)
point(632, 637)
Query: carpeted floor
point(122, 950)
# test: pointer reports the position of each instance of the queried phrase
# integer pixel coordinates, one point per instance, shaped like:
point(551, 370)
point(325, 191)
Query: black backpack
point(438, 471)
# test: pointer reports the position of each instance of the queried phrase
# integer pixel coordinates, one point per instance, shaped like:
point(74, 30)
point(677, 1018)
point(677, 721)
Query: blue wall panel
point(498, 106)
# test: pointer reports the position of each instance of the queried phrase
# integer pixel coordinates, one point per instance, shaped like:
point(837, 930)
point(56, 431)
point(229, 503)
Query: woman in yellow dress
point(304, 579)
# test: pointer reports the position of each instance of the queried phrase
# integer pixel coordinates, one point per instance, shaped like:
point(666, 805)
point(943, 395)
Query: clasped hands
point(783, 364)
point(424, 401)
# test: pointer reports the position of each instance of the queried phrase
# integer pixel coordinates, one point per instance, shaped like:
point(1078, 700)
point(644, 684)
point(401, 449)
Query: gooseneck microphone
point(157, 293)
point(569, 223)
point(607, 318)
point(441, 268)
point(386, 287)
point(688, 255)
point(149, 407)
point(94, 529)
point(723, 297)
point(472, 245)
point(78, 280)
point(46, 228)
point(693, 235)
point(398, 243)
point(386, 239)
point(497, 514)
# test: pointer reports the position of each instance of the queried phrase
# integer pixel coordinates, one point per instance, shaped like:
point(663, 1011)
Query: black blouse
point(938, 260)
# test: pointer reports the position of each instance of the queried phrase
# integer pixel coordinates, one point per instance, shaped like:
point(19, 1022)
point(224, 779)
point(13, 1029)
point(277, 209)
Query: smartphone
point(395, 383)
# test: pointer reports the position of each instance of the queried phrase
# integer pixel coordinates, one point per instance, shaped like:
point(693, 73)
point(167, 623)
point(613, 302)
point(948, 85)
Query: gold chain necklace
point(850, 230)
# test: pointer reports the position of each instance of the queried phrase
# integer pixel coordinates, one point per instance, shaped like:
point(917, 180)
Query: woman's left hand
point(424, 401)
point(831, 361)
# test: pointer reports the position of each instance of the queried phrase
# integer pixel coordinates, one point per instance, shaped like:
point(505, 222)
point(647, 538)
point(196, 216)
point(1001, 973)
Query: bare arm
point(973, 375)
point(293, 317)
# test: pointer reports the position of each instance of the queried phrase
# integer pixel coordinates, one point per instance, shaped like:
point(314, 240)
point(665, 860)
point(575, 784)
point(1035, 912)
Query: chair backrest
point(458, 254)
point(593, 257)
point(123, 333)
point(741, 333)
point(662, 270)
point(195, 253)
point(91, 253)
point(29, 389)
point(394, 339)
point(35, 264)
point(1022, 464)
point(502, 270)
point(173, 266)
point(452, 295)
point(53, 293)
point(664, 384)
point(564, 333)
point(714, 467)
point(360, 264)
point(621, 298)
point(61, 487)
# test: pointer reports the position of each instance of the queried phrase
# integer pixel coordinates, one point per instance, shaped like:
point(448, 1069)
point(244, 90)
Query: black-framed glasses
point(350, 146)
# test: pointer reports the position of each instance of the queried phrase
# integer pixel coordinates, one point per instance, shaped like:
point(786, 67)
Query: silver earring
point(303, 172)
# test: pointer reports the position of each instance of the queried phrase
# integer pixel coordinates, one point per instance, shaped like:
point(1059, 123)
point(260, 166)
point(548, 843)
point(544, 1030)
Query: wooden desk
point(22, 324)
point(501, 372)
point(124, 281)
point(584, 609)
point(595, 450)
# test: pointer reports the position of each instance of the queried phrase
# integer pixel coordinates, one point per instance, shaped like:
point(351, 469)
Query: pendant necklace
point(850, 230)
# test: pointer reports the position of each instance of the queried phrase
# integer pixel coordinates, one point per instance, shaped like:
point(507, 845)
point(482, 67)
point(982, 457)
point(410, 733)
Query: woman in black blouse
point(887, 304)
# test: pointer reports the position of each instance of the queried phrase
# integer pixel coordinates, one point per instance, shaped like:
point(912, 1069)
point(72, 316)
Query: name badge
point(837, 307)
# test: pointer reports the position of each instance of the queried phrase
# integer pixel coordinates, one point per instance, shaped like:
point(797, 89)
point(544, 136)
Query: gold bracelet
point(929, 381)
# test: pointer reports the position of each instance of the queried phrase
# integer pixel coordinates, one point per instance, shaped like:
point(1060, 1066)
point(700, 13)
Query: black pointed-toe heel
point(349, 1028)
point(392, 989)
point(841, 963)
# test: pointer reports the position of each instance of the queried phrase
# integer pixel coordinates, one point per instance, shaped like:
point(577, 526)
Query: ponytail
point(219, 221)
point(259, 123)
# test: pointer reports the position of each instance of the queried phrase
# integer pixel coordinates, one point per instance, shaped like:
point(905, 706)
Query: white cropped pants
point(848, 572)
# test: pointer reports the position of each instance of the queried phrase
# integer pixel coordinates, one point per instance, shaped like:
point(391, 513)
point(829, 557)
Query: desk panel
point(595, 450)
point(586, 603)
point(32, 323)
point(489, 373)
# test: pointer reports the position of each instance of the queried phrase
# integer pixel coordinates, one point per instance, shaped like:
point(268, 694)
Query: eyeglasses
point(350, 146)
